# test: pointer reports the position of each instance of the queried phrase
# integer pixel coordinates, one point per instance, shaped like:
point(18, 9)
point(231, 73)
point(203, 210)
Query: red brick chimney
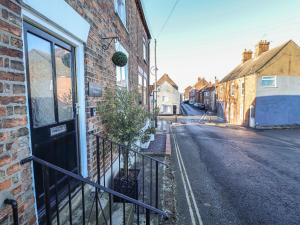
point(247, 54)
point(261, 47)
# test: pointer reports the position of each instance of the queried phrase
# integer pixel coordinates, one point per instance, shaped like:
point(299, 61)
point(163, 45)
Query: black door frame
point(43, 34)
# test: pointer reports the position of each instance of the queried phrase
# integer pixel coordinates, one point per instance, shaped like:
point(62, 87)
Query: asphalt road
point(190, 110)
point(236, 176)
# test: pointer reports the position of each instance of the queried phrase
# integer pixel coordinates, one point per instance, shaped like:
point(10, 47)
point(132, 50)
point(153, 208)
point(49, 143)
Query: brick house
point(194, 92)
point(207, 96)
point(55, 67)
point(263, 91)
point(186, 93)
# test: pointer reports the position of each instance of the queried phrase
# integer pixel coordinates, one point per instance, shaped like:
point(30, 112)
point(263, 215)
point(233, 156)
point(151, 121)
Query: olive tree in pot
point(123, 119)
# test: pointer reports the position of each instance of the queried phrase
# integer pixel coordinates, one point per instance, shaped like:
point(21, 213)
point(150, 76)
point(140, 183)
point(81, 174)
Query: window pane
point(122, 76)
point(64, 84)
point(145, 90)
point(268, 82)
point(41, 83)
point(121, 10)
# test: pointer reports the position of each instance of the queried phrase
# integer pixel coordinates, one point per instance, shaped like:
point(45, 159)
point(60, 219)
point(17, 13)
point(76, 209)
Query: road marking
point(181, 165)
point(185, 187)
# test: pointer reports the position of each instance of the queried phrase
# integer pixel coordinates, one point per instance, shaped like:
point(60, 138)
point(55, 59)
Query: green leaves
point(119, 59)
point(122, 116)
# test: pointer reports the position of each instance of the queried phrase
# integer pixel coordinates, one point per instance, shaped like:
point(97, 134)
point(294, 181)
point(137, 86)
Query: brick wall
point(232, 104)
point(99, 67)
point(15, 180)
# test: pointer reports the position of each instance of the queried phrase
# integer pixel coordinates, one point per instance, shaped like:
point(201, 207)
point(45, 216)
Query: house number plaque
point(58, 130)
point(95, 90)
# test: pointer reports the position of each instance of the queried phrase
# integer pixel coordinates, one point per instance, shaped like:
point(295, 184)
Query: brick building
point(263, 91)
point(194, 95)
point(55, 57)
point(186, 93)
point(207, 96)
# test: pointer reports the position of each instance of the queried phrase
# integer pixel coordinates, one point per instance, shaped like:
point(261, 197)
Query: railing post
point(103, 163)
point(156, 184)
point(98, 159)
point(147, 217)
point(14, 206)
point(151, 183)
point(45, 172)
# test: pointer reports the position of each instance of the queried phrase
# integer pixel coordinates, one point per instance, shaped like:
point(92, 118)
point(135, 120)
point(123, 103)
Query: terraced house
point(264, 90)
point(55, 67)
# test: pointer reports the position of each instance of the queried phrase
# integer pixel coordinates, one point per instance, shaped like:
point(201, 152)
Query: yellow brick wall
point(232, 104)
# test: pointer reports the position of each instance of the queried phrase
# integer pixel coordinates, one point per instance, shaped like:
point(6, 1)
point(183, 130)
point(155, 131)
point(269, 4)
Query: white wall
point(172, 97)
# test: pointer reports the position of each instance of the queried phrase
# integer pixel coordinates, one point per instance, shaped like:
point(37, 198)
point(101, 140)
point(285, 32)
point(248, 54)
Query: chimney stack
point(247, 55)
point(262, 47)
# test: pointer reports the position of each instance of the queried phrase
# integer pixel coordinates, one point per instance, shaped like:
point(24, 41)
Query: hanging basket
point(119, 59)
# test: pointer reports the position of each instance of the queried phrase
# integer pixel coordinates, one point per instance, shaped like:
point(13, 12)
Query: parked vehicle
point(201, 106)
point(197, 105)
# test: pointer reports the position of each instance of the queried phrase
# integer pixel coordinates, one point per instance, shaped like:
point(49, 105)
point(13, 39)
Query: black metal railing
point(150, 169)
point(14, 206)
point(81, 210)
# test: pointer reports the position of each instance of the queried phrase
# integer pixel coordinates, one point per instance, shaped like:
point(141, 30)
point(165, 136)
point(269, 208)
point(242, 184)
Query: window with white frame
point(122, 72)
point(142, 86)
point(120, 9)
point(269, 81)
point(232, 89)
point(145, 89)
point(242, 88)
point(145, 50)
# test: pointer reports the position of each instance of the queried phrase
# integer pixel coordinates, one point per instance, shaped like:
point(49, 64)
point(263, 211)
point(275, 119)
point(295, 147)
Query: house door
point(52, 96)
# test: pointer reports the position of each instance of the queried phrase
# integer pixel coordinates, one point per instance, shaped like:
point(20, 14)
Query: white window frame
point(121, 11)
point(267, 78)
point(232, 89)
point(67, 33)
point(242, 90)
point(123, 70)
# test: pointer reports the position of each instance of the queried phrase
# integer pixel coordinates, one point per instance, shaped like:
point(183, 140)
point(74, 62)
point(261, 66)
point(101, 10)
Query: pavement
point(231, 175)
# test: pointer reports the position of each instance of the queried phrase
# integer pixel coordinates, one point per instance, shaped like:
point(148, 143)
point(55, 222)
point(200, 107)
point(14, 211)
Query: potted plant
point(145, 139)
point(123, 119)
point(152, 131)
point(119, 59)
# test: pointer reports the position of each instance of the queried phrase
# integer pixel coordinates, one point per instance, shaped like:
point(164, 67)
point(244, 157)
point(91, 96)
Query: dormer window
point(120, 9)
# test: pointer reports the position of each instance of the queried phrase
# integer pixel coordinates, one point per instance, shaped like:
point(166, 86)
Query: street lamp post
point(155, 84)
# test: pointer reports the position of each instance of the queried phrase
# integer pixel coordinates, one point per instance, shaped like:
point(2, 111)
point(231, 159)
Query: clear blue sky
point(207, 37)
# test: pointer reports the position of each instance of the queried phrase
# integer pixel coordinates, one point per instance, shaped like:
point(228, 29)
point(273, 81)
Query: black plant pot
point(127, 185)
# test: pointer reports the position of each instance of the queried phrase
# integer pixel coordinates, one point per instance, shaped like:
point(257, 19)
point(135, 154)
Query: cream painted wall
point(168, 96)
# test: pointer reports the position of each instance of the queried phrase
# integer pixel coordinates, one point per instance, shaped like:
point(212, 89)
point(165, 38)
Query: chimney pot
point(247, 55)
point(262, 47)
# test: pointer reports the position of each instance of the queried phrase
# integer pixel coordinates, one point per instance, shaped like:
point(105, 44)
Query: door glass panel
point(41, 83)
point(64, 84)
